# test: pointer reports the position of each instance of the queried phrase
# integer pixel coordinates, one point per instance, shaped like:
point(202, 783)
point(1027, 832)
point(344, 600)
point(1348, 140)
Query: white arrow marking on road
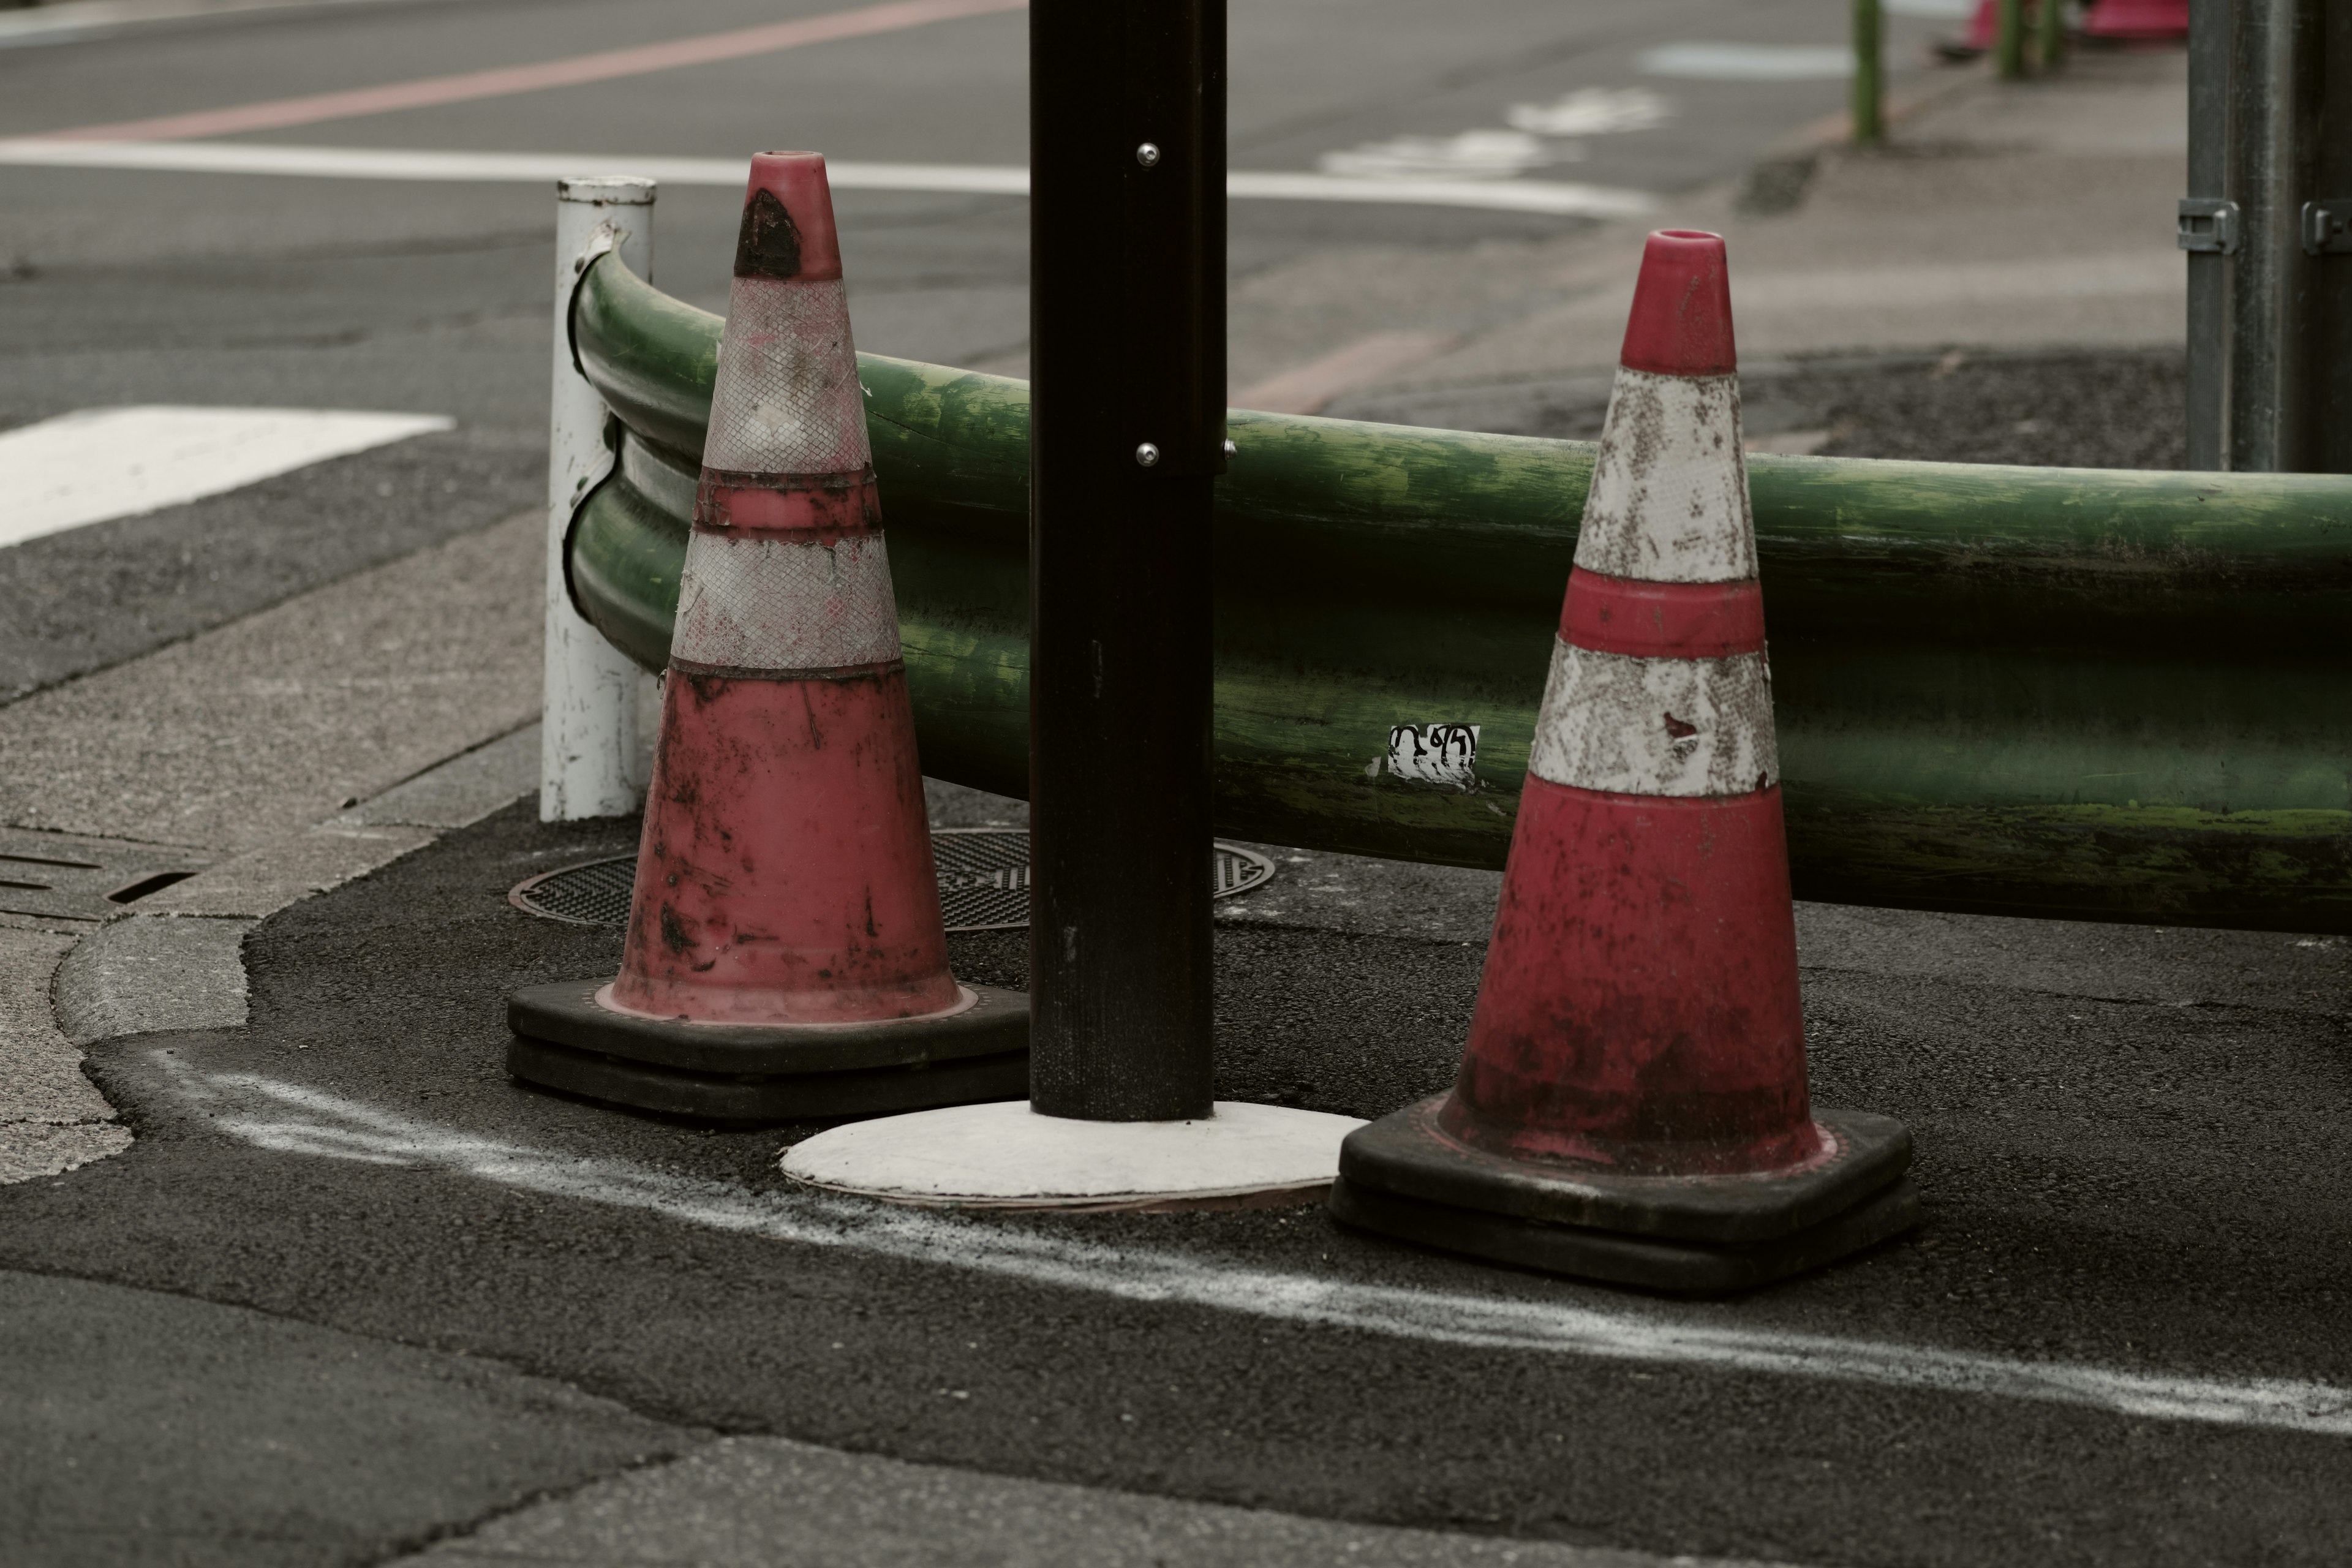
point(1549, 197)
point(299, 1120)
point(102, 463)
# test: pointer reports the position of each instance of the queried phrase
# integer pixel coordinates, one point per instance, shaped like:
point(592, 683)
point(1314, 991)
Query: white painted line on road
point(1470, 155)
point(295, 1119)
point(102, 463)
point(1748, 62)
point(74, 20)
point(1554, 198)
point(1597, 111)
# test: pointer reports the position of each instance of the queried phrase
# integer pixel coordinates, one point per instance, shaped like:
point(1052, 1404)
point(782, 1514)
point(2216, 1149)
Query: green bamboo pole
point(2009, 40)
point(1869, 73)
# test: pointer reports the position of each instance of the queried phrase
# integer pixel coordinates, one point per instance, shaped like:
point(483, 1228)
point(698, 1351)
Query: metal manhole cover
point(983, 881)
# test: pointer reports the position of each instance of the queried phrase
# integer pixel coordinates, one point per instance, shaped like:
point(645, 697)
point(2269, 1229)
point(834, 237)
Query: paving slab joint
point(177, 962)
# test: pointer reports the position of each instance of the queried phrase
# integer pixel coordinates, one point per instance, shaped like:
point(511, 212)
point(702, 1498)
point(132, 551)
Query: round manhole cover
point(983, 881)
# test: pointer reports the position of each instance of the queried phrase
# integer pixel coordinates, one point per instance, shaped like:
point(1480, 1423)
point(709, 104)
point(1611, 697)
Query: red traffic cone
point(784, 956)
point(2136, 21)
point(1632, 1104)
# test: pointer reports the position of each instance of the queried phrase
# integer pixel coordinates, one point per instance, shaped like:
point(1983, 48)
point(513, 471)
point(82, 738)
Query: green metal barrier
point(2099, 694)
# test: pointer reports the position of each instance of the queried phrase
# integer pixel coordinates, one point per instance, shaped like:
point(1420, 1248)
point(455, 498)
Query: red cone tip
point(1681, 323)
point(787, 231)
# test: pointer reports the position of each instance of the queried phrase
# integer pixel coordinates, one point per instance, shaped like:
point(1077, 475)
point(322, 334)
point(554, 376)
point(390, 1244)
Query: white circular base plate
point(1006, 1156)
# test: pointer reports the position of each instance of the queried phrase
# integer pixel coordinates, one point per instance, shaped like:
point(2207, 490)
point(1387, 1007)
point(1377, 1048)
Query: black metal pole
point(2274, 102)
point(2328, 449)
point(1127, 374)
point(2208, 232)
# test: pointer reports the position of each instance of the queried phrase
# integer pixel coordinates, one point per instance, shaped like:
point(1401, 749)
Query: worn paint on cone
point(1639, 1005)
point(785, 885)
point(1638, 1020)
point(785, 871)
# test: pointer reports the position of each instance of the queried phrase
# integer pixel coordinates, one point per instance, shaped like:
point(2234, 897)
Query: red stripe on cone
point(1661, 620)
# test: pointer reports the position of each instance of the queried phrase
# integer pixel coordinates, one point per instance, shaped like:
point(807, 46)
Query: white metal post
point(588, 740)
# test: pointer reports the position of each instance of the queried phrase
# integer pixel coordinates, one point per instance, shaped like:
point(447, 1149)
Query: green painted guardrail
point(2087, 693)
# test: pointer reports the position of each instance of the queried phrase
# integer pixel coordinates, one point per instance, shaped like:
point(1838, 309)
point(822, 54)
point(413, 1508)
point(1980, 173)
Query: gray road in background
point(123, 287)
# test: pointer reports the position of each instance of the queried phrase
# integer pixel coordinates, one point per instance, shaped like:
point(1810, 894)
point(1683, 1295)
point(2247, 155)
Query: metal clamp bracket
point(2327, 226)
point(2210, 223)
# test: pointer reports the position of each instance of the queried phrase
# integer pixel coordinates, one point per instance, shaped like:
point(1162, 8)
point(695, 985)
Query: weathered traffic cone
point(785, 955)
point(1632, 1104)
point(2136, 21)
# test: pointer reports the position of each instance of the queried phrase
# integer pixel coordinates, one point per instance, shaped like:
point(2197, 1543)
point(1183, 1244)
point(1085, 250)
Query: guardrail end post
point(589, 764)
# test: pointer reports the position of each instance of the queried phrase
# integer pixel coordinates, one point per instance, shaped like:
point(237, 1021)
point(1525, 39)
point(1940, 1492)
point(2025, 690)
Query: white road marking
point(1593, 111)
point(80, 19)
point(1544, 197)
point(1748, 62)
point(1470, 155)
point(102, 463)
point(299, 1120)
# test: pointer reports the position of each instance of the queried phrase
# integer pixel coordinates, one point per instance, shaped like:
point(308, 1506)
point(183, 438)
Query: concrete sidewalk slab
point(255, 730)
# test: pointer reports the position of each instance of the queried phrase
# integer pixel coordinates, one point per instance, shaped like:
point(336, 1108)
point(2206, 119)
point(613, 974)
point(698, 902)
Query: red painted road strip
point(863, 22)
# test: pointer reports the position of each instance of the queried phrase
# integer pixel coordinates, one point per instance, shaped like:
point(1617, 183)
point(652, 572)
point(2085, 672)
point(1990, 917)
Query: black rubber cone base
point(1404, 1176)
point(750, 1072)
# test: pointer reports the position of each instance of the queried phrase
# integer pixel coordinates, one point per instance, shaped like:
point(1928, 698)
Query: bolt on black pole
point(1127, 116)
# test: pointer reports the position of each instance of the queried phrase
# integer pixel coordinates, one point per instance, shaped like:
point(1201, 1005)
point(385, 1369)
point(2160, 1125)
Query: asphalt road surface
point(2118, 1338)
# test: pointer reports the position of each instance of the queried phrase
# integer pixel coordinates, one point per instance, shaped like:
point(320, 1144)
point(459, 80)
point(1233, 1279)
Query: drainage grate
point(50, 876)
point(983, 881)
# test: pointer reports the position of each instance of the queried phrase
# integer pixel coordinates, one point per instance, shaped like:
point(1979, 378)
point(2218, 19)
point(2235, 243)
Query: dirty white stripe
point(786, 398)
point(1680, 727)
point(1669, 498)
point(102, 463)
point(1553, 197)
point(756, 602)
point(303, 1121)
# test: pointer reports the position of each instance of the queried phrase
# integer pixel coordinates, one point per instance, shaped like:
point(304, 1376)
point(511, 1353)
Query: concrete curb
point(178, 963)
point(1777, 180)
point(152, 973)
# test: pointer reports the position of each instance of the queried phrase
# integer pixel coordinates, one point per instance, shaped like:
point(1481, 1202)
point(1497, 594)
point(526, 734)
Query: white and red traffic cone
point(785, 955)
point(1632, 1105)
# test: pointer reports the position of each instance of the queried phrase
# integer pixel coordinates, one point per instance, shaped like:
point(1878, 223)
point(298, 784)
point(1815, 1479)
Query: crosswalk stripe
point(102, 463)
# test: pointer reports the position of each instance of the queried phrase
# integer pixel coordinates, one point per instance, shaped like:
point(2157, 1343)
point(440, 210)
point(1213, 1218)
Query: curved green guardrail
point(2087, 693)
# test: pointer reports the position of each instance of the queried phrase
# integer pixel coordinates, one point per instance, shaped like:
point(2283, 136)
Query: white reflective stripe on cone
point(1669, 500)
point(1656, 726)
point(786, 400)
point(753, 601)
